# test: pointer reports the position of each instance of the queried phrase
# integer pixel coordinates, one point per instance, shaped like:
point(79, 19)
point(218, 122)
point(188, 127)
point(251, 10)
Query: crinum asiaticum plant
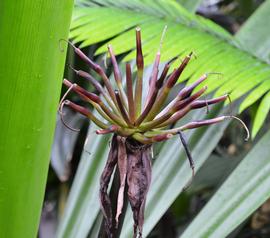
point(137, 125)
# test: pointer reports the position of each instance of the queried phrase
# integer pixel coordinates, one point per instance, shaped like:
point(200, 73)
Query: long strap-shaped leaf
point(254, 36)
point(83, 203)
point(241, 194)
point(31, 68)
point(190, 5)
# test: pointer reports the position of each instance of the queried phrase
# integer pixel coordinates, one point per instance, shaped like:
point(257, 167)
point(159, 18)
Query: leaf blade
point(254, 36)
point(242, 193)
point(34, 65)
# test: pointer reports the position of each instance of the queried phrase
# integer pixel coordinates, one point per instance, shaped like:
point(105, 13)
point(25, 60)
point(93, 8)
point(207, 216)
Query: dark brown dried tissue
point(133, 160)
point(136, 127)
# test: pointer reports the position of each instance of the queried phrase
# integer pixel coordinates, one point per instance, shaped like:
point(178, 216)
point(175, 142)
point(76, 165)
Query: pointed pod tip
point(66, 102)
point(76, 71)
point(172, 60)
point(241, 122)
point(68, 42)
point(161, 137)
point(110, 129)
point(192, 54)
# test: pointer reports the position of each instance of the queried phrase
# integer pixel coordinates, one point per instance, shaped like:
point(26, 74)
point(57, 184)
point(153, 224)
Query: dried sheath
point(104, 198)
point(138, 180)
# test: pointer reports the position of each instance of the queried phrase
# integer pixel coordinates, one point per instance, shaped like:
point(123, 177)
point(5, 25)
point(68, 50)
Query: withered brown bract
point(134, 165)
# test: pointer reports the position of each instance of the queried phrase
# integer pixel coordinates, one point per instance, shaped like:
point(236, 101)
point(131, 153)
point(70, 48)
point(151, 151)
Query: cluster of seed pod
point(143, 123)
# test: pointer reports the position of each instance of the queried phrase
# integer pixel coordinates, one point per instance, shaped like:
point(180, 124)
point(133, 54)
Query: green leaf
point(255, 39)
point(255, 95)
point(83, 203)
point(216, 49)
point(254, 34)
point(240, 195)
point(262, 112)
point(31, 75)
point(190, 5)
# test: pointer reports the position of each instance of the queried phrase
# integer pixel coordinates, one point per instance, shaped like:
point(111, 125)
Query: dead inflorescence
point(136, 125)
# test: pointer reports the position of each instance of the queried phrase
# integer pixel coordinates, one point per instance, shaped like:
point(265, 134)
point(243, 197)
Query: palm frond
point(254, 34)
point(190, 5)
point(239, 196)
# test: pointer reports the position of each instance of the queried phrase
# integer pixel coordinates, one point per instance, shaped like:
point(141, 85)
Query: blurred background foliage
point(230, 192)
